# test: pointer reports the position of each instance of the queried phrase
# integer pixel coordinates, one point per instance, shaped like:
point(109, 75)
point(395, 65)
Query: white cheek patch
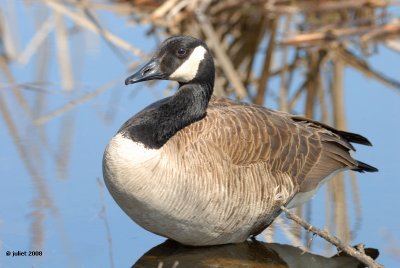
point(188, 70)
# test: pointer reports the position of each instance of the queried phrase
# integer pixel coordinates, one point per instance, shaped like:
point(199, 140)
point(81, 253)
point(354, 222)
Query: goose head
point(183, 59)
point(188, 61)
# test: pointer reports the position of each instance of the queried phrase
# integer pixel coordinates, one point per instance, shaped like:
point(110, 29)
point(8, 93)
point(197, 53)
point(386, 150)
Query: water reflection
point(248, 254)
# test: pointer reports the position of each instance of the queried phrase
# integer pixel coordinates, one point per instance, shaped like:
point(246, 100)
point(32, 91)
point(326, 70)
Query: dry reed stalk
point(122, 9)
point(329, 215)
point(63, 53)
point(37, 40)
point(37, 226)
point(356, 198)
point(329, 35)
point(63, 151)
point(16, 90)
point(322, 97)
point(287, 230)
point(89, 25)
point(37, 179)
point(311, 89)
point(18, 95)
point(308, 237)
point(351, 60)
point(266, 68)
point(221, 56)
point(74, 103)
point(269, 233)
point(296, 96)
point(323, 6)
point(295, 228)
point(67, 84)
point(103, 216)
point(393, 45)
point(382, 32)
point(337, 184)
point(9, 32)
point(38, 215)
point(41, 72)
point(284, 82)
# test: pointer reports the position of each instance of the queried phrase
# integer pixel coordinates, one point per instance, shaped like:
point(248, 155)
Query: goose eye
point(181, 51)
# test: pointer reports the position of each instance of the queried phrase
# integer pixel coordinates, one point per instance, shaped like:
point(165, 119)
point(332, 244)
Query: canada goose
point(203, 170)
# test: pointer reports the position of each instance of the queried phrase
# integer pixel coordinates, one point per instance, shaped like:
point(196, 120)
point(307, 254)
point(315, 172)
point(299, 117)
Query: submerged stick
point(367, 260)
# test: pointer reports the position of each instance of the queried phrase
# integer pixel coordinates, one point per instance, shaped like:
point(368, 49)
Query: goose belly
point(179, 202)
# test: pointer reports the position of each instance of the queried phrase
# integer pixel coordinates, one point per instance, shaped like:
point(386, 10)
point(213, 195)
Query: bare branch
point(367, 260)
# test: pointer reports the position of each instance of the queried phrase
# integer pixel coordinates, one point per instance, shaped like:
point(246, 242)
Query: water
point(53, 197)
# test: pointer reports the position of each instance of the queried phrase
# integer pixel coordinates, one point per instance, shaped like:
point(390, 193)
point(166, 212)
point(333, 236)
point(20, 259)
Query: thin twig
point(367, 260)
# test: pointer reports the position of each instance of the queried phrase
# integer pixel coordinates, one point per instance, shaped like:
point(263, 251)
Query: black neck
point(160, 121)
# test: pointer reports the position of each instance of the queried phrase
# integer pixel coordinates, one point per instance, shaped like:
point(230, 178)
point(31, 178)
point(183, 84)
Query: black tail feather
point(348, 136)
point(363, 167)
point(353, 137)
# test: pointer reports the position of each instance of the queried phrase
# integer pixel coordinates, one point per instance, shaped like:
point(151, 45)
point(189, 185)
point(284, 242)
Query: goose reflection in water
point(248, 254)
